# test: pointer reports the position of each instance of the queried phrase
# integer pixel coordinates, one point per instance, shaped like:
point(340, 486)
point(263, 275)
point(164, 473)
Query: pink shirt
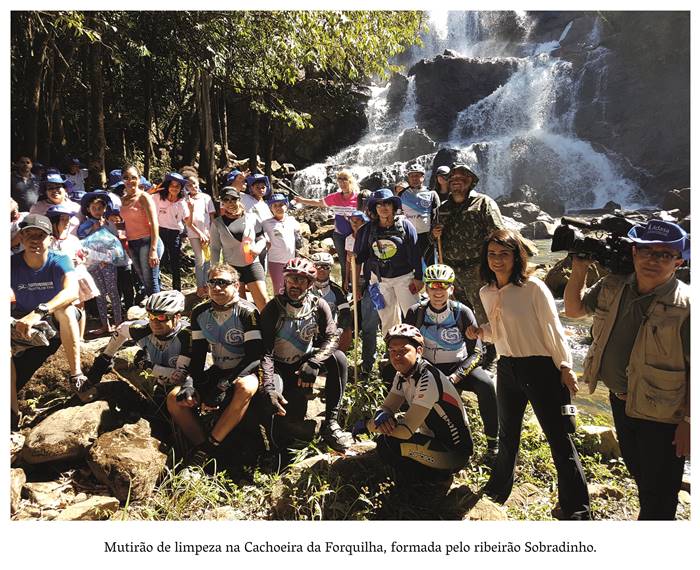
point(342, 208)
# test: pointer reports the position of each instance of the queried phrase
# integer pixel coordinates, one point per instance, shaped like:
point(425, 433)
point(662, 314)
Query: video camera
point(614, 251)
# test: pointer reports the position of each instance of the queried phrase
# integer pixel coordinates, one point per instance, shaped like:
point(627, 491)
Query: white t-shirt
point(171, 215)
point(78, 179)
point(281, 236)
point(202, 205)
point(257, 207)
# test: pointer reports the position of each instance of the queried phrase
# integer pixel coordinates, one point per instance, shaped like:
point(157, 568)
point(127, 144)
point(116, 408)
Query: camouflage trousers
point(467, 285)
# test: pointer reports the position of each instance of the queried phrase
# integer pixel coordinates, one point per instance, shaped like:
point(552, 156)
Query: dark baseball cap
point(231, 191)
point(36, 221)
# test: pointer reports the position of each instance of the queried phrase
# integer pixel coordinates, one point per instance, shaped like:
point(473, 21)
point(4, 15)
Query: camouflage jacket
point(465, 226)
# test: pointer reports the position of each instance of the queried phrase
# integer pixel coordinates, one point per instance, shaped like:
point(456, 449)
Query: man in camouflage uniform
point(464, 221)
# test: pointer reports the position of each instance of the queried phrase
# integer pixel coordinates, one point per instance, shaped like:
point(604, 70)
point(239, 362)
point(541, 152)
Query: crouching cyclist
point(443, 323)
point(432, 440)
point(228, 327)
point(334, 295)
point(301, 341)
point(164, 342)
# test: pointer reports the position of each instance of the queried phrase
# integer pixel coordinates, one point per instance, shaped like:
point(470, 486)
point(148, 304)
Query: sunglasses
point(660, 255)
point(437, 285)
point(322, 266)
point(229, 199)
point(342, 178)
point(160, 317)
point(219, 283)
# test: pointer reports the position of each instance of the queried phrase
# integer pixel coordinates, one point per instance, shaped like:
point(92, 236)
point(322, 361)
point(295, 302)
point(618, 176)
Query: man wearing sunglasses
point(228, 328)
point(334, 295)
point(164, 341)
point(301, 342)
point(641, 352)
point(443, 323)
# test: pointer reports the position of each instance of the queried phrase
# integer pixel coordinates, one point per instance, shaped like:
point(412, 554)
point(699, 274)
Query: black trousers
point(648, 450)
point(535, 379)
point(172, 242)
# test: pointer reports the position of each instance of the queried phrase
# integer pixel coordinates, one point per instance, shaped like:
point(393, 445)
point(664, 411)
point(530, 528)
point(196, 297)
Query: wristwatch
point(42, 309)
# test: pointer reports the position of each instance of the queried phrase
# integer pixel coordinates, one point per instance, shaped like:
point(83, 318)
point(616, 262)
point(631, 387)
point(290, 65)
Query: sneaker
point(202, 457)
point(80, 382)
point(335, 437)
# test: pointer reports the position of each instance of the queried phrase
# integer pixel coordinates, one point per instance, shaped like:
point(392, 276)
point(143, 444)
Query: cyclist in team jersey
point(334, 295)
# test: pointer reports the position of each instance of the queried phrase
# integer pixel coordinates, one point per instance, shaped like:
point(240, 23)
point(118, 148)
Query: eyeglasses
point(647, 253)
point(437, 285)
point(161, 317)
point(219, 283)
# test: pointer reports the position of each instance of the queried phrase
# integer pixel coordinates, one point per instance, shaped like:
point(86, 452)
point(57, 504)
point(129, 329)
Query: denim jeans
point(149, 276)
point(172, 241)
point(339, 244)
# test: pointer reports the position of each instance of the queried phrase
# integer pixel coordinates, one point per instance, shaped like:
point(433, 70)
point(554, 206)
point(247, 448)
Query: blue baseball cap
point(278, 197)
point(114, 178)
point(231, 176)
point(59, 209)
point(359, 214)
point(55, 178)
point(658, 232)
point(144, 183)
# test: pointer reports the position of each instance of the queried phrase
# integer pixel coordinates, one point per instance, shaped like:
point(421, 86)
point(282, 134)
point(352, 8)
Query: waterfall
point(521, 134)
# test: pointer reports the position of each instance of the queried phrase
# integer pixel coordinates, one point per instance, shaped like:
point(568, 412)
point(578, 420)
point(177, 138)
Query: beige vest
point(656, 372)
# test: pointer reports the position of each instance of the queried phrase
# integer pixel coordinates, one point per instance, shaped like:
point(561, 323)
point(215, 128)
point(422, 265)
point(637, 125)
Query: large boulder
point(68, 433)
point(524, 212)
point(128, 460)
point(17, 481)
point(413, 143)
point(539, 229)
point(677, 200)
point(396, 94)
point(95, 508)
point(600, 439)
point(558, 276)
point(486, 510)
point(445, 85)
point(50, 494)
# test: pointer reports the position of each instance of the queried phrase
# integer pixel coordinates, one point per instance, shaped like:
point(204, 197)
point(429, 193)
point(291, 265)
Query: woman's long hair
point(514, 241)
point(354, 186)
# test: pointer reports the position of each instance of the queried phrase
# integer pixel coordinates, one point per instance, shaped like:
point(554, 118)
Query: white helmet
point(166, 302)
point(322, 258)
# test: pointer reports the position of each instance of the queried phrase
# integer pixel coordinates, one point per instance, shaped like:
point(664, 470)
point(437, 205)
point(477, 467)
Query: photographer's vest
point(656, 372)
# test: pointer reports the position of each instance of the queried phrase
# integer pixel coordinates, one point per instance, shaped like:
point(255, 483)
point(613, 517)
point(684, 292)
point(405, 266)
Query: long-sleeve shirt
point(523, 321)
point(389, 252)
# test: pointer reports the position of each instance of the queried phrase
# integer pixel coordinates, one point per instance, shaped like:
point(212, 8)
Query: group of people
point(480, 300)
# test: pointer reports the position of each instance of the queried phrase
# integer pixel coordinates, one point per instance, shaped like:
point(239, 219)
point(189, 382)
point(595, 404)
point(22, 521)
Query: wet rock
point(558, 276)
point(677, 199)
point(67, 433)
point(538, 229)
point(600, 439)
point(396, 94)
point(93, 509)
point(486, 510)
point(446, 85)
point(128, 460)
point(377, 180)
point(524, 212)
point(17, 480)
point(413, 143)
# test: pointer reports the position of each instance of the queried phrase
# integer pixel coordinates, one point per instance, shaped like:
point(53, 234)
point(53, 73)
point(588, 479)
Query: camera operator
point(641, 351)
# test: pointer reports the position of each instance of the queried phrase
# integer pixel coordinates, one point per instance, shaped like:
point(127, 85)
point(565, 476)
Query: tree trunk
point(148, 117)
point(223, 122)
point(97, 141)
point(254, 143)
point(269, 145)
point(191, 138)
point(34, 69)
point(207, 166)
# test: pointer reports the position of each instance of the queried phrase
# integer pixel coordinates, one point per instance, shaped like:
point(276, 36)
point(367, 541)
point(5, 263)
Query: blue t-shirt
point(33, 287)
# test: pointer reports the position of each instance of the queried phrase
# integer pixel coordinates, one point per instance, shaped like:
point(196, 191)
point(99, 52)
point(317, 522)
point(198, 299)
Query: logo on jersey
point(423, 456)
point(384, 248)
point(172, 361)
point(234, 337)
point(308, 332)
point(425, 203)
point(451, 335)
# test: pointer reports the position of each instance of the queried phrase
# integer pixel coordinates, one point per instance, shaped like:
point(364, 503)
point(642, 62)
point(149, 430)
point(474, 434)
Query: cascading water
point(521, 134)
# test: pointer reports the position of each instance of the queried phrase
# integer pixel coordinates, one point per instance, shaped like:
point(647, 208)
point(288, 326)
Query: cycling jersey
point(292, 334)
point(168, 355)
point(337, 300)
point(443, 332)
point(232, 335)
point(389, 252)
point(420, 206)
point(429, 388)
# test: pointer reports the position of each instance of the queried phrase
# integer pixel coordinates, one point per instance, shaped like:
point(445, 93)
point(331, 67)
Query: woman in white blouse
point(534, 366)
point(172, 213)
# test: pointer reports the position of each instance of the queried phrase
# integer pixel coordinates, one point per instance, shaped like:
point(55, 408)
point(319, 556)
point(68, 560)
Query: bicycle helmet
point(405, 331)
point(300, 266)
point(439, 273)
point(167, 302)
point(322, 258)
